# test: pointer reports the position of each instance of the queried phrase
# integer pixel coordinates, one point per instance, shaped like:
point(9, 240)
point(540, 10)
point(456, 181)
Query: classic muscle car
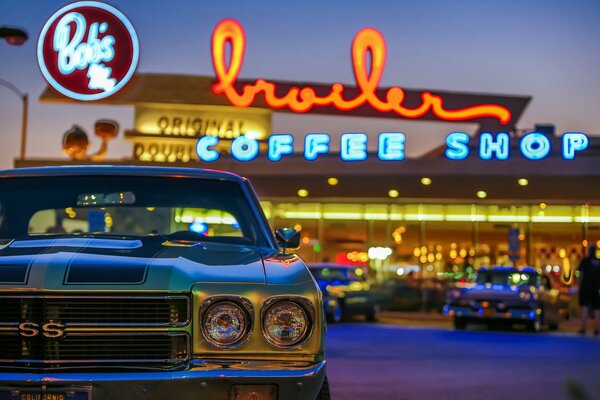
point(508, 294)
point(345, 292)
point(151, 283)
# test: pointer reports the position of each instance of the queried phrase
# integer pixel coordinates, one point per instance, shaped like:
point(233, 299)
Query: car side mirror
point(287, 239)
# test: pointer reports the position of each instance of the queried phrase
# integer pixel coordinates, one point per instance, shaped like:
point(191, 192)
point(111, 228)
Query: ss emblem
point(51, 329)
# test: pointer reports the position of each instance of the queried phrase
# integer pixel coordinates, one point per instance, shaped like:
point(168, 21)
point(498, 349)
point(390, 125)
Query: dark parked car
point(345, 291)
point(508, 294)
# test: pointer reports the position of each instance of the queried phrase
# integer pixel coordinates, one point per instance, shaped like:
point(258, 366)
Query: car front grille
point(58, 331)
point(118, 348)
point(97, 310)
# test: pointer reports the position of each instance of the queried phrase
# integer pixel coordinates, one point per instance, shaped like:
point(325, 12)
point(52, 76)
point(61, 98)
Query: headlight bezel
point(243, 304)
point(304, 304)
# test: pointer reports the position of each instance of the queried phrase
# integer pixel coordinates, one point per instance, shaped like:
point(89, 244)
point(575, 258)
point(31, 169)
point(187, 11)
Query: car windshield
point(507, 277)
point(177, 208)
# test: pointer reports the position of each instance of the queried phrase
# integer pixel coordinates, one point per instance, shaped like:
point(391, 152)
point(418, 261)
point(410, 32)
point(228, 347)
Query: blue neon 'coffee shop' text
point(391, 146)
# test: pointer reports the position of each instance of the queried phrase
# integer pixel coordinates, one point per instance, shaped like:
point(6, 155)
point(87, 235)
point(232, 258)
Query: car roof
point(119, 170)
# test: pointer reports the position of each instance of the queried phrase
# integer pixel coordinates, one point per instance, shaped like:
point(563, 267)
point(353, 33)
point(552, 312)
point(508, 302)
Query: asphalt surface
point(391, 361)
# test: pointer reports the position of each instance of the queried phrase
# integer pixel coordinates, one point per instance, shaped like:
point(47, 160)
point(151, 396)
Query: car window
point(135, 221)
point(507, 277)
point(180, 209)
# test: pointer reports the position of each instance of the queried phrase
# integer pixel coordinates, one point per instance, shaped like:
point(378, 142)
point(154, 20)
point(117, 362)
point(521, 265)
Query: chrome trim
point(19, 362)
point(111, 297)
point(304, 303)
point(278, 370)
point(247, 308)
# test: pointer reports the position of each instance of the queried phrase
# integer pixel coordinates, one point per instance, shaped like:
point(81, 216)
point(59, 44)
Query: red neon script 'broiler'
point(300, 100)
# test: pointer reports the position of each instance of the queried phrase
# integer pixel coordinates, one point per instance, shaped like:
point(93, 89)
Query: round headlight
point(285, 324)
point(224, 324)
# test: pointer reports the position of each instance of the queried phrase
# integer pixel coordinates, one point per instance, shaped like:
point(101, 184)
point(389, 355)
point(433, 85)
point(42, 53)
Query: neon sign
point(391, 146)
point(368, 41)
point(88, 50)
point(533, 145)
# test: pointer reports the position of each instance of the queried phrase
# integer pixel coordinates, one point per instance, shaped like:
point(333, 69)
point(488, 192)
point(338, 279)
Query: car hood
point(106, 264)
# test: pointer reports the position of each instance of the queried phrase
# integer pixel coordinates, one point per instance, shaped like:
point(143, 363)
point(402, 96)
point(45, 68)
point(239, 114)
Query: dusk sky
point(544, 48)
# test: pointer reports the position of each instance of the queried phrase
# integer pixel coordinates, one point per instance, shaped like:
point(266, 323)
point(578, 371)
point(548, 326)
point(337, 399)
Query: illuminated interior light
point(298, 227)
point(303, 193)
point(550, 218)
point(229, 38)
point(543, 205)
point(482, 194)
point(426, 181)
point(508, 218)
point(393, 193)
point(523, 182)
point(424, 217)
point(377, 216)
point(301, 215)
point(464, 217)
point(342, 215)
point(333, 181)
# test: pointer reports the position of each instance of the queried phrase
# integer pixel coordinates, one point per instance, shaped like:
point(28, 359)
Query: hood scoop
point(106, 274)
point(14, 274)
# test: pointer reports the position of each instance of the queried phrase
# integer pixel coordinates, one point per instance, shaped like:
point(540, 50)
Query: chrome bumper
point(294, 380)
point(508, 314)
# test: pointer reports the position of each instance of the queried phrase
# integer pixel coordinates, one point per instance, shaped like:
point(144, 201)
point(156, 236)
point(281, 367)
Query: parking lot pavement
point(438, 320)
point(390, 361)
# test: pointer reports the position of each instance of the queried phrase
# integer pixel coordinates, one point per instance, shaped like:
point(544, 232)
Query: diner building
point(425, 212)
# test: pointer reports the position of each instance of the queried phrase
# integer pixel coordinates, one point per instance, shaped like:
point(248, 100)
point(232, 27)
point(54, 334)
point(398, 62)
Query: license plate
point(44, 394)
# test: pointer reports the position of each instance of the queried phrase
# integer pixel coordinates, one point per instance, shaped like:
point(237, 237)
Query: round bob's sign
point(88, 50)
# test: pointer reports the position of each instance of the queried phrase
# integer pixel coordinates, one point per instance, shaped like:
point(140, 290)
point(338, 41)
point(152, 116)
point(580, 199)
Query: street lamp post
point(16, 37)
point(25, 108)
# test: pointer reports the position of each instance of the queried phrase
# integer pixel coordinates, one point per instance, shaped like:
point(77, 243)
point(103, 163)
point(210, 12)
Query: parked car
point(507, 294)
point(162, 283)
point(402, 294)
point(345, 292)
point(397, 294)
